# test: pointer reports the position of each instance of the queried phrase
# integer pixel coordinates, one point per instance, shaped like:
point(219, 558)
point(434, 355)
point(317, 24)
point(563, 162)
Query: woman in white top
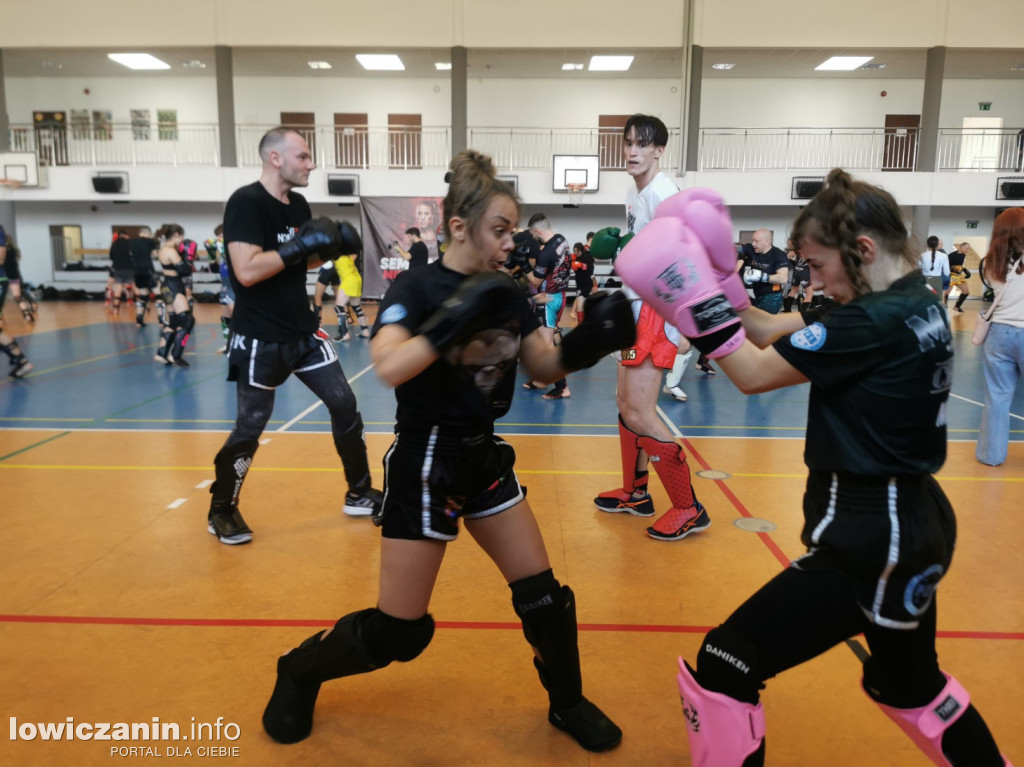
point(1004, 346)
point(935, 265)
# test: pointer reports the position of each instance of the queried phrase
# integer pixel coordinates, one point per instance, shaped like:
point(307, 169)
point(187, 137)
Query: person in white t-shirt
point(642, 433)
point(935, 265)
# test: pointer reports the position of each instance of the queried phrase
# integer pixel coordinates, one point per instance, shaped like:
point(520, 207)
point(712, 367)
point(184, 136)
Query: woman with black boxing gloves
point(448, 338)
point(176, 269)
point(878, 528)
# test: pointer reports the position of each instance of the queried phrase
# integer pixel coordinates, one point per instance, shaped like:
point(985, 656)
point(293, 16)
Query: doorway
point(900, 144)
point(980, 143)
point(66, 247)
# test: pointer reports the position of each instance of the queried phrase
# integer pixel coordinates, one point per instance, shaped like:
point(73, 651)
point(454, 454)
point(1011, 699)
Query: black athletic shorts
point(267, 365)
point(173, 286)
point(145, 280)
point(892, 537)
point(329, 277)
point(430, 481)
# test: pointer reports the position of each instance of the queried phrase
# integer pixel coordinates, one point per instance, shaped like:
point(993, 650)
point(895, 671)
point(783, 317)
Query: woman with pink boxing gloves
point(878, 528)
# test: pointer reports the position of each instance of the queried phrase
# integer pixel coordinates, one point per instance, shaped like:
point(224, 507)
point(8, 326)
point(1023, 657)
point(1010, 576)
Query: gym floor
point(119, 607)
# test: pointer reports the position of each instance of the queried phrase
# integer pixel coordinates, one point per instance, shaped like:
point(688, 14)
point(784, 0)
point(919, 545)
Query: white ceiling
point(518, 63)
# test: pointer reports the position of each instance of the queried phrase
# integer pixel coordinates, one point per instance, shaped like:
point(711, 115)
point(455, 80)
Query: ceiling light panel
point(380, 61)
point(722, 66)
point(319, 64)
point(610, 63)
point(138, 61)
point(844, 63)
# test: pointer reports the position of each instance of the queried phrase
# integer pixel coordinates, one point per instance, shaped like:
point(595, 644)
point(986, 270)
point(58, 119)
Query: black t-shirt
point(554, 265)
point(275, 309)
point(141, 249)
point(585, 274)
point(880, 369)
point(418, 254)
point(472, 384)
point(121, 254)
point(769, 262)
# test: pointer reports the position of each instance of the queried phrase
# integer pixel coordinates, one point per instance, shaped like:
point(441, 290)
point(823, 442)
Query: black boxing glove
point(485, 300)
point(350, 244)
point(318, 236)
point(183, 268)
point(607, 327)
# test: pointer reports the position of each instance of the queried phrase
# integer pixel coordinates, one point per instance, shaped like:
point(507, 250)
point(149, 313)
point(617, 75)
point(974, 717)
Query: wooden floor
point(118, 606)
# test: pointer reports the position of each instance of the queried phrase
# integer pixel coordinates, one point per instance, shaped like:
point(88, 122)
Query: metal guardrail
point(807, 149)
point(366, 147)
point(981, 149)
point(120, 144)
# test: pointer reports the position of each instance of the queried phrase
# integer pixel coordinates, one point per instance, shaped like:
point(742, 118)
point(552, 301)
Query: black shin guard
point(358, 309)
point(351, 447)
point(360, 642)
point(230, 467)
point(183, 328)
point(548, 613)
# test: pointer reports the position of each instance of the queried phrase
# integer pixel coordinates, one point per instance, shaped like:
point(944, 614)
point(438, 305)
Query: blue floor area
point(103, 376)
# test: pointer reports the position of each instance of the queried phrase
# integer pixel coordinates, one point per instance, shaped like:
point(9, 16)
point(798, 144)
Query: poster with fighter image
point(385, 221)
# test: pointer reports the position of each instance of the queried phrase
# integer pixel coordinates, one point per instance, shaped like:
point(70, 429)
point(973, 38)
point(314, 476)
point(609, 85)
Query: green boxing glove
point(608, 243)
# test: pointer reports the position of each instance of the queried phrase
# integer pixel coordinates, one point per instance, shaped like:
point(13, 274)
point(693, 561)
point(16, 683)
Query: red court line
point(91, 620)
point(765, 537)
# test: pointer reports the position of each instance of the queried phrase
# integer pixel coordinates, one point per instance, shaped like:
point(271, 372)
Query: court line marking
point(176, 503)
point(319, 402)
point(330, 469)
point(455, 625)
point(34, 445)
point(982, 404)
point(204, 484)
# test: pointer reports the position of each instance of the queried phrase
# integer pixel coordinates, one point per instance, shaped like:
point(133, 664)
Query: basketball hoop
point(575, 194)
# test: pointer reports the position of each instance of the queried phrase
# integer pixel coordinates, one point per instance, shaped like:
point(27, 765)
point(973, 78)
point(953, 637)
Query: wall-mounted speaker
point(805, 188)
point(1012, 190)
point(108, 184)
point(343, 186)
point(512, 181)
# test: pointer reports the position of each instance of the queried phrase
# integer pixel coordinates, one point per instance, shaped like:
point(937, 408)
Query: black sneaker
point(229, 527)
point(365, 503)
point(588, 725)
point(20, 367)
point(181, 362)
point(620, 501)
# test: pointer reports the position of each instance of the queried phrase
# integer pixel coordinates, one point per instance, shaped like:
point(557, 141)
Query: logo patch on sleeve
point(393, 313)
point(810, 338)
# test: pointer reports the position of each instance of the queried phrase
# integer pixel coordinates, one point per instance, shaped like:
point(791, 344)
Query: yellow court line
point(35, 373)
point(49, 420)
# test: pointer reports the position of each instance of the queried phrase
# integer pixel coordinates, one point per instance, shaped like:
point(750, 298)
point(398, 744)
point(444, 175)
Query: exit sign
point(972, 224)
point(984, 106)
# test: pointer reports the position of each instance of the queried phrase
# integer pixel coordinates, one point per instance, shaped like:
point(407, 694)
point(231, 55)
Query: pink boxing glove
point(703, 211)
point(667, 266)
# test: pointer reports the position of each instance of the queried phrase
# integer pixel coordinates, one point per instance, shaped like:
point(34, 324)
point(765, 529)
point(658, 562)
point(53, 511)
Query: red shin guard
point(673, 471)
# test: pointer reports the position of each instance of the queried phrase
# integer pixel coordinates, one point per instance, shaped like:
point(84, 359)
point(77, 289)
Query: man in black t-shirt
point(121, 266)
point(418, 253)
point(550, 276)
point(767, 272)
point(142, 249)
point(271, 243)
point(20, 366)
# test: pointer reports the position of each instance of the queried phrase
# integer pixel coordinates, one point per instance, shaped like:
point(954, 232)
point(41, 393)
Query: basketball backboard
point(575, 169)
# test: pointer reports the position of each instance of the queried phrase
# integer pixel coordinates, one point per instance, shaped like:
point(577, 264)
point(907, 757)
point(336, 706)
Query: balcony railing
point(370, 147)
point(980, 149)
point(119, 144)
point(807, 149)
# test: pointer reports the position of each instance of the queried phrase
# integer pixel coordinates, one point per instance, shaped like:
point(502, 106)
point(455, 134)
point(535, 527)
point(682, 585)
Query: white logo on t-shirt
point(393, 313)
point(810, 338)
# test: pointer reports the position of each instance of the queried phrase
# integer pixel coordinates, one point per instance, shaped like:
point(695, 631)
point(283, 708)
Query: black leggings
point(799, 615)
point(255, 405)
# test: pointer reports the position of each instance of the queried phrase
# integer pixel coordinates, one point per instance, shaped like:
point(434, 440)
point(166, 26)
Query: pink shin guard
point(926, 725)
point(674, 472)
point(723, 731)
